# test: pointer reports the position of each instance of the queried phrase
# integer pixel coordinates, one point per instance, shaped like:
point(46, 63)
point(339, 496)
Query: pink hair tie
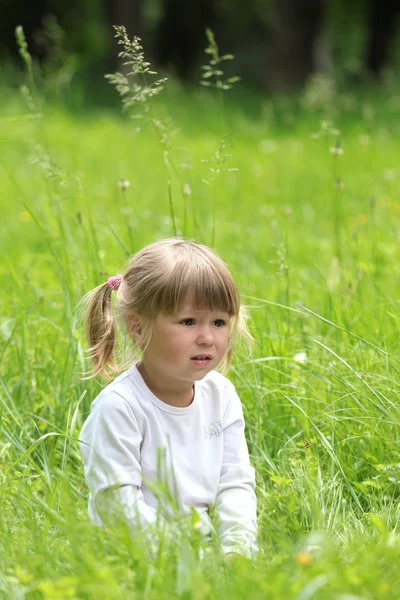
point(114, 282)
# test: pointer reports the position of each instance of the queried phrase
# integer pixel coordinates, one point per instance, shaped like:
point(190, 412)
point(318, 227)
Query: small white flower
point(124, 183)
point(390, 175)
point(287, 211)
point(336, 150)
point(339, 184)
point(364, 139)
point(187, 190)
point(301, 357)
point(257, 171)
point(274, 224)
point(268, 146)
point(267, 210)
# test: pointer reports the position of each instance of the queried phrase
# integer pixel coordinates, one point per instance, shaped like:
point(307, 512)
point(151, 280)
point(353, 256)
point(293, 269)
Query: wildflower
point(337, 149)
point(287, 211)
point(22, 575)
point(187, 190)
point(185, 165)
point(124, 183)
point(327, 128)
point(361, 219)
point(24, 216)
point(339, 184)
point(257, 171)
point(131, 92)
point(301, 357)
point(385, 201)
point(268, 146)
point(197, 525)
point(390, 175)
point(217, 160)
point(267, 210)
point(303, 559)
point(213, 73)
point(364, 139)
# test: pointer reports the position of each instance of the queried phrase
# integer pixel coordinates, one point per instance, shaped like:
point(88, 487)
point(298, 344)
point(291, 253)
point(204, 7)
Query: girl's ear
point(134, 327)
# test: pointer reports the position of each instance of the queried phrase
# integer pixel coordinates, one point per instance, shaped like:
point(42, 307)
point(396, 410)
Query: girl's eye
point(219, 322)
point(187, 322)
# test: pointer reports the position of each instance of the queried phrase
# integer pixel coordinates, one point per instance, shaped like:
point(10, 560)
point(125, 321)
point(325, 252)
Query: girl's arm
point(110, 447)
point(236, 502)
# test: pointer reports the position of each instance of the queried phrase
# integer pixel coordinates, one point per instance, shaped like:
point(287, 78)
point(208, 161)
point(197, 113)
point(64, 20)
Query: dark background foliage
point(277, 43)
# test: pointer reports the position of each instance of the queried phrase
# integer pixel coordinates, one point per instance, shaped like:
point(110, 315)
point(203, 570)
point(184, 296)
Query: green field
point(310, 226)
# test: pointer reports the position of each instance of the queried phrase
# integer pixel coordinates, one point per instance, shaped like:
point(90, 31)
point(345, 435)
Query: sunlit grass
point(311, 237)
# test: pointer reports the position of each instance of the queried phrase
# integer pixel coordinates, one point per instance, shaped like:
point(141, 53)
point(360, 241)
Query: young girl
point(181, 309)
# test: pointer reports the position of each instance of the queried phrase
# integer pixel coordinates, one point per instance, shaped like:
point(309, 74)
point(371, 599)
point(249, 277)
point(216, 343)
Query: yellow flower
point(303, 559)
point(361, 219)
point(385, 201)
point(24, 216)
point(22, 575)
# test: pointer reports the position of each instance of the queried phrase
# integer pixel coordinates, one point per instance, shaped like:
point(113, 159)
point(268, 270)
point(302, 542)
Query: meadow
point(299, 194)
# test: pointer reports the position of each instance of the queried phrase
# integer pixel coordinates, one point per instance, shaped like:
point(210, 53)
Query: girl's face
point(188, 345)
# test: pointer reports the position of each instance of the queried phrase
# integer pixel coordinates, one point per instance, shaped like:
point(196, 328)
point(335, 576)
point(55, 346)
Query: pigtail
point(101, 329)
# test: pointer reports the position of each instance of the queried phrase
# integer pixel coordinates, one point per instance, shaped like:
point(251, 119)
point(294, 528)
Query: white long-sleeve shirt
point(206, 460)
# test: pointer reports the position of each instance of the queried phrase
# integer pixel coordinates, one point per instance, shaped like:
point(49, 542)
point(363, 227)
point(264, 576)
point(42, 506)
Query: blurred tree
point(18, 12)
point(295, 27)
point(82, 20)
point(276, 43)
point(382, 28)
point(298, 26)
point(128, 13)
point(181, 33)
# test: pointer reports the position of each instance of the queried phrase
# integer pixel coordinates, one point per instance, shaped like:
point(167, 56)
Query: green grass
point(317, 263)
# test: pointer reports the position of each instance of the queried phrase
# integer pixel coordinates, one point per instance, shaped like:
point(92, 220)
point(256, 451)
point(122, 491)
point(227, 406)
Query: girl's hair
point(157, 280)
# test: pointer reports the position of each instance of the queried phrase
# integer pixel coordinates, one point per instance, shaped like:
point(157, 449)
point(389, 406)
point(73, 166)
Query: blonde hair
point(156, 281)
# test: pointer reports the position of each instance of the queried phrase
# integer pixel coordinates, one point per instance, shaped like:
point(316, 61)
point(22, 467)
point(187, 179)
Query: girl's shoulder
point(215, 378)
point(216, 385)
point(120, 391)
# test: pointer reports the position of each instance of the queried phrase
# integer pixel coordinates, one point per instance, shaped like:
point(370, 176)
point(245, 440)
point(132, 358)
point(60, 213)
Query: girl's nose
point(205, 336)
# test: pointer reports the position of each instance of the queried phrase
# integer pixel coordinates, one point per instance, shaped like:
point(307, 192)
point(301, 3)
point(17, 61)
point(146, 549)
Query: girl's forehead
point(189, 306)
point(190, 309)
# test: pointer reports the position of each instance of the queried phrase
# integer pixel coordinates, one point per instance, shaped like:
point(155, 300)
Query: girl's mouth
point(201, 360)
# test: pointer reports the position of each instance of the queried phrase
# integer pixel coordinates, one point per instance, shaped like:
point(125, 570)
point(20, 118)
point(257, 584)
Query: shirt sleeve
point(110, 447)
point(236, 503)
point(127, 501)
